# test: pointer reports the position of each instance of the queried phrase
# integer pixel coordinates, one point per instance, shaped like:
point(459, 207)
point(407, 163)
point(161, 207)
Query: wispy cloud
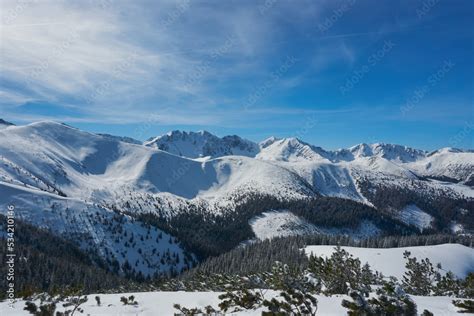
point(77, 52)
point(195, 62)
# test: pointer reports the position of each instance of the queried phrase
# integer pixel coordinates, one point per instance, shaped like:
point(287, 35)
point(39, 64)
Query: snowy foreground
point(161, 303)
point(457, 258)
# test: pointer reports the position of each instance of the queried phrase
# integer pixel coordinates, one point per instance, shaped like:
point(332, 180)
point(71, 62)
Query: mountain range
point(162, 205)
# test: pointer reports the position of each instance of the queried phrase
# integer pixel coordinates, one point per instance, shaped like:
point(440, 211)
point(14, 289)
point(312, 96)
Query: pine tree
point(341, 273)
point(465, 306)
point(239, 300)
point(294, 302)
point(75, 302)
point(420, 277)
point(390, 301)
point(208, 310)
point(467, 286)
point(448, 285)
point(43, 310)
point(367, 278)
point(358, 306)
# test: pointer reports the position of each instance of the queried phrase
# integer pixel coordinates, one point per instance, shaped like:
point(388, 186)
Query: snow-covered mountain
point(72, 182)
point(447, 164)
point(63, 160)
point(391, 152)
point(202, 144)
point(291, 150)
point(83, 184)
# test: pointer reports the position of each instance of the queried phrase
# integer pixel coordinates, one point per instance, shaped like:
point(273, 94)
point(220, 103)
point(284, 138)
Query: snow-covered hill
point(456, 258)
point(284, 223)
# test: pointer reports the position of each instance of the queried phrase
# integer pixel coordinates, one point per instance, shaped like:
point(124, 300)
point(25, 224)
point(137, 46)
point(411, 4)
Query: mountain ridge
point(358, 150)
point(86, 185)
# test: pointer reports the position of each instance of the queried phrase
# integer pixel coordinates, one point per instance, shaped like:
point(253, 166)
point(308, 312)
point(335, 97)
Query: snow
point(122, 139)
point(391, 152)
point(42, 162)
point(48, 163)
point(55, 157)
point(267, 142)
point(457, 228)
point(458, 188)
point(453, 164)
point(284, 223)
point(413, 215)
point(95, 228)
point(279, 224)
point(329, 179)
point(289, 149)
point(48, 154)
point(202, 144)
point(161, 304)
point(453, 257)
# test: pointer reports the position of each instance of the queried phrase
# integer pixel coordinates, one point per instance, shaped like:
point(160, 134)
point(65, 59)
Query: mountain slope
point(290, 150)
point(71, 182)
point(128, 245)
point(391, 152)
point(58, 158)
point(447, 164)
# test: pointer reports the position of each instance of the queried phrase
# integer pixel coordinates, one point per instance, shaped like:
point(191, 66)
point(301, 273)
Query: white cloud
point(122, 60)
point(56, 50)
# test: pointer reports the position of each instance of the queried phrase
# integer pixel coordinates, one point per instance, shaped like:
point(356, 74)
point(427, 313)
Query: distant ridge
point(3, 122)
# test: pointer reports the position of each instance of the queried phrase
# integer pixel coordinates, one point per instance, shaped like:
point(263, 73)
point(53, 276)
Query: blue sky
point(333, 73)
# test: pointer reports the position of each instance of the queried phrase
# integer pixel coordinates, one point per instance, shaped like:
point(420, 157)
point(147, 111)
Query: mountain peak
point(174, 132)
point(449, 150)
point(383, 150)
point(202, 144)
point(290, 149)
point(204, 132)
point(267, 142)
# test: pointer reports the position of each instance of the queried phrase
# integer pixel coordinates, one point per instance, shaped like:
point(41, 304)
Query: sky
point(332, 73)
